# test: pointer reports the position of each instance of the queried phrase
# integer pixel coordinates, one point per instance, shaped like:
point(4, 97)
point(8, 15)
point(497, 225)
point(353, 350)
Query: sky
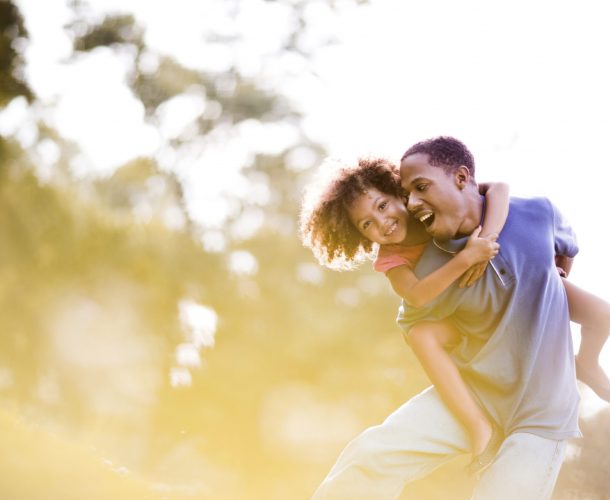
point(523, 84)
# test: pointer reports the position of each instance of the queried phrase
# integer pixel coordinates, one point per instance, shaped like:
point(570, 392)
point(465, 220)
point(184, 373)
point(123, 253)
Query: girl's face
point(380, 217)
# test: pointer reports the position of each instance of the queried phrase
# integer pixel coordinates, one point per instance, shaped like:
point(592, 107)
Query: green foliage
point(247, 101)
point(169, 80)
point(112, 30)
point(91, 278)
point(13, 36)
point(61, 248)
point(141, 182)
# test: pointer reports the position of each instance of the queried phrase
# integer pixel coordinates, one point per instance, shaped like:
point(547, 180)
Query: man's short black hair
point(445, 152)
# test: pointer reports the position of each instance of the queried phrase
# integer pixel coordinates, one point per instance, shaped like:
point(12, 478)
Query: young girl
point(357, 209)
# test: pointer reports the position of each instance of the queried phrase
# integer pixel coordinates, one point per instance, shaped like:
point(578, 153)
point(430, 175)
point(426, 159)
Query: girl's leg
point(593, 315)
point(428, 341)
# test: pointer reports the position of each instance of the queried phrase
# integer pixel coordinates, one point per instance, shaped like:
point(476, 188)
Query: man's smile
point(426, 218)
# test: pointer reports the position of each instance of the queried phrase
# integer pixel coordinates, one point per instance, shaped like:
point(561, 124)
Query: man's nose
point(413, 203)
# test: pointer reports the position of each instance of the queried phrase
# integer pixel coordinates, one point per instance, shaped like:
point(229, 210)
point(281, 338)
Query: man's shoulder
point(533, 202)
point(531, 208)
point(534, 220)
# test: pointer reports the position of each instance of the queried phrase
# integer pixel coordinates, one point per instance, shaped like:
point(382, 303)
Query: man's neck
point(473, 216)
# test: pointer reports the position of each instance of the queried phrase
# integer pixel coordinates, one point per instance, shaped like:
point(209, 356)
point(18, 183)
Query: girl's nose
point(379, 219)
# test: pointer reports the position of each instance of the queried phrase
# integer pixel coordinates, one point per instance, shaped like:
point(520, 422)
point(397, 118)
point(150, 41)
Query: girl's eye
point(366, 224)
point(382, 205)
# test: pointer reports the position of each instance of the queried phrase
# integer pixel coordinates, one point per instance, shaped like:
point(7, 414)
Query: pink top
point(391, 256)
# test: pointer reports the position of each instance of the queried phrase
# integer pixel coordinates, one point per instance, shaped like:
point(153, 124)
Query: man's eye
point(421, 187)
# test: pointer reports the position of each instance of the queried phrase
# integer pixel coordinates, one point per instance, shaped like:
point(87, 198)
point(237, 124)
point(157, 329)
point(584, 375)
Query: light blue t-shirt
point(516, 349)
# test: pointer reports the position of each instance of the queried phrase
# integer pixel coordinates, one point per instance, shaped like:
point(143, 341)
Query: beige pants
point(422, 435)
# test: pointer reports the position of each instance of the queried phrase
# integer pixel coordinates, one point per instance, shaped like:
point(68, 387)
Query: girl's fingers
point(476, 275)
point(466, 277)
point(472, 275)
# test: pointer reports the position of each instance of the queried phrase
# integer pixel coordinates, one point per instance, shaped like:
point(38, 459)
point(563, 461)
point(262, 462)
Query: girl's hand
point(473, 274)
point(481, 251)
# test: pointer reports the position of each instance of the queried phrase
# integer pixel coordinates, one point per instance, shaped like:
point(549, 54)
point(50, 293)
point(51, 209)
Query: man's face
point(436, 198)
point(379, 217)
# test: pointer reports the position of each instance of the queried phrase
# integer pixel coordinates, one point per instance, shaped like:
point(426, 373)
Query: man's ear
point(462, 176)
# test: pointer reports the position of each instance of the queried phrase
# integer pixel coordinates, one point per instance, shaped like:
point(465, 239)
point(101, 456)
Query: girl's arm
point(418, 293)
point(564, 265)
point(496, 207)
point(496, 212)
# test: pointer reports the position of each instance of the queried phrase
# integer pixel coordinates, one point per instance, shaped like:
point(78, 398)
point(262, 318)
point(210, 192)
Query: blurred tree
point(12, 42)
point(140, 190)
point(230, 97)
point(112, 30)
point(93, 272)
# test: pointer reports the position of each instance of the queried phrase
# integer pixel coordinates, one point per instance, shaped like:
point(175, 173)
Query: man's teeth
point(424, 217)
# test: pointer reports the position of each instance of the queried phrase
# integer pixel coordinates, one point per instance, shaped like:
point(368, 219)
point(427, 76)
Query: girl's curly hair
point(325, 226)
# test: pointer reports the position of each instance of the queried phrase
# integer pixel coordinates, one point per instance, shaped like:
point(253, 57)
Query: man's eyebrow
point(416, 180)
point(413, 182)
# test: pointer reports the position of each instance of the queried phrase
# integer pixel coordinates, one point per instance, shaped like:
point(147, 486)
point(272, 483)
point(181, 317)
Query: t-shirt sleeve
point(565, 238)
point(391, 256)
point(384, 262)
point(409, 316)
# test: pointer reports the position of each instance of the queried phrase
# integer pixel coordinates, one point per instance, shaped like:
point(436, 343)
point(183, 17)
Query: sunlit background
point(164, 334)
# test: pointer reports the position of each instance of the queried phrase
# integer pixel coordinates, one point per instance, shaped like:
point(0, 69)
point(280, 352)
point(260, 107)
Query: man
point(515, 354)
